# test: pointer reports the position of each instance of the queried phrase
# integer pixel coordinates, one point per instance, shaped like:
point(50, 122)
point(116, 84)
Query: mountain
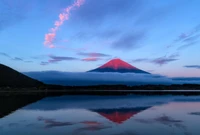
point(11, 78)
point(118, 65)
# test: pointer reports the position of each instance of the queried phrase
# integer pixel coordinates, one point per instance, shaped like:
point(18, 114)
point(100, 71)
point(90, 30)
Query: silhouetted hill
point(118, 65)
point(11, 78)
point(11, 103)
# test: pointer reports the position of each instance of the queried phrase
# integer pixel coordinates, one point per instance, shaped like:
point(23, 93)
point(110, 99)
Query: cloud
point(56, 59)
point(190, 35)
point(187, 45)
point(49, 38)
point(163, 60)
point(43, 63)
point(20, 59)
point(160, 60)
point(93, 78)
point(187, 78)
point(61, 58)
point(140, 60)
point(195, 113)
point(193, 66)
point(129, 41)
point(17, 59)
point(64, 16)
point(181, 37)
point(187, 39)
point(91, 59)
point(174, 55)
point(5, 54)
point(93, 54)
point(28, 61)
point(192, 38)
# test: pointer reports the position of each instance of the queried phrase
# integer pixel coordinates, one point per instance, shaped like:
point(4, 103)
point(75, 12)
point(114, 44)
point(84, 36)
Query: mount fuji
point(118, 65)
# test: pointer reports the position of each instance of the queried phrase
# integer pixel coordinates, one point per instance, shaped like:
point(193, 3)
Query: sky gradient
point(159, 37)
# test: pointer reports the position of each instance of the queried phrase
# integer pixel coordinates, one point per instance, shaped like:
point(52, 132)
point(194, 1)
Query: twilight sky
point(161, 37)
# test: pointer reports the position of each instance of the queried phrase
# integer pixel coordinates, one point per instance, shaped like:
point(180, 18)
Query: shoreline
point(98, 92)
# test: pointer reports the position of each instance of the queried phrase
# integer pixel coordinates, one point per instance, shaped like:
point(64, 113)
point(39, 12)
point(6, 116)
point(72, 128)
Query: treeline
point(45, 87)
point(125, 87)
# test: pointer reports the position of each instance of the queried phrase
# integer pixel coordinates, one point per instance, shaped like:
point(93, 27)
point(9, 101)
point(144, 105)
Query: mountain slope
point(117, 65)
point(11, 78)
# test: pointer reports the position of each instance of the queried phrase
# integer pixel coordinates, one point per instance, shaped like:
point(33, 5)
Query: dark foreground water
point(106, 115)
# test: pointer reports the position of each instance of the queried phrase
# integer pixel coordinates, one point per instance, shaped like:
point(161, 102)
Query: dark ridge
point(11, 78)
point(119, 115)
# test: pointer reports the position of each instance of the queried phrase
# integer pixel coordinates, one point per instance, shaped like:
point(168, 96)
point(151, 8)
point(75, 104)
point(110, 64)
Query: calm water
point(106, 115)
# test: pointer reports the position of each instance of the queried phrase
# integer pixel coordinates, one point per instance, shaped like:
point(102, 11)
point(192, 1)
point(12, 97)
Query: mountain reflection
point(119, 115)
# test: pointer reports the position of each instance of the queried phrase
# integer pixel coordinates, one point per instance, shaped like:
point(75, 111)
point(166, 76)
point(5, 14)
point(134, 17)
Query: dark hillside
point(11, 78)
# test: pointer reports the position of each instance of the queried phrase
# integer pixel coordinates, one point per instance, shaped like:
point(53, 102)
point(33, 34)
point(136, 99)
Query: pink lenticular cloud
point(50, 37)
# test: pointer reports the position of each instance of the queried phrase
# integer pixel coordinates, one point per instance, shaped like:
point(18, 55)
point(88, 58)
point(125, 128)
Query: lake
point(106, 115)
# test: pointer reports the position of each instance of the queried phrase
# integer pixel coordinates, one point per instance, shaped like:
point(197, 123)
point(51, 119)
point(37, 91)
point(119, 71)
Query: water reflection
point(9, 104)
point(167, 121)
point(127, 115)
point(126, 133)
point(119, 115)
point(94, 128)
point(50, 123)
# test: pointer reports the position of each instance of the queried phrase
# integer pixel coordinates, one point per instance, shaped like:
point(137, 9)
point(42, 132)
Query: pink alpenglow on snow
point(117, 64)
point(50, 37)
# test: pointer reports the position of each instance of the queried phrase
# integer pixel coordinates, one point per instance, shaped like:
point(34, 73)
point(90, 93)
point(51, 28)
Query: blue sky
point(161, 37)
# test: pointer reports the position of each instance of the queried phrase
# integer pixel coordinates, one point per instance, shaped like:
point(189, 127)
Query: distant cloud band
point(193, 66)
point(160, 60)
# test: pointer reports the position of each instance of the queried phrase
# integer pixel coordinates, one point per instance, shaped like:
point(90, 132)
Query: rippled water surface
point(106, 115)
